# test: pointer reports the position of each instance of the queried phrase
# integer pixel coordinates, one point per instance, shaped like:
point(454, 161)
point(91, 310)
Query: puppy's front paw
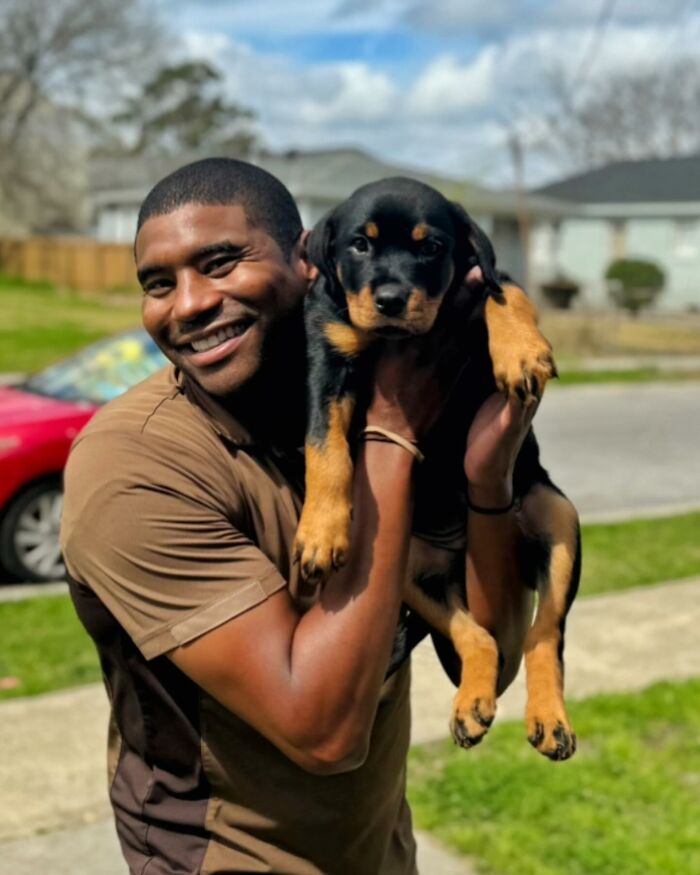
point(550, 732)
point(523, 370)
point(322, 541)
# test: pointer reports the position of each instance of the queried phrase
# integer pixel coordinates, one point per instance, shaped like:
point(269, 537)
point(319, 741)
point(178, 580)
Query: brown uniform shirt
point(175, 521)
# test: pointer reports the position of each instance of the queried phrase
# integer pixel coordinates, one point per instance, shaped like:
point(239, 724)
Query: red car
point(38, 421)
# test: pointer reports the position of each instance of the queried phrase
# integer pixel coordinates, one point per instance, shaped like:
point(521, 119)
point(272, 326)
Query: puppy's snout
point(390, 300)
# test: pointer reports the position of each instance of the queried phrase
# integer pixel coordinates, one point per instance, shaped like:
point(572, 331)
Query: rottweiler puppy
point(392, 260)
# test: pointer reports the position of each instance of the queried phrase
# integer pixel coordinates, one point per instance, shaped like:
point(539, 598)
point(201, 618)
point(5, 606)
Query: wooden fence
point(75, 262)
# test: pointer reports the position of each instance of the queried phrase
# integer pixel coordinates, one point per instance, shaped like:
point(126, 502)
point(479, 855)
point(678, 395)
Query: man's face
point(214, 289)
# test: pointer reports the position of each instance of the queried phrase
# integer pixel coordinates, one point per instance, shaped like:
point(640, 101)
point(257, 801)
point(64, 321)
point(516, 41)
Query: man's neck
point(272, 406)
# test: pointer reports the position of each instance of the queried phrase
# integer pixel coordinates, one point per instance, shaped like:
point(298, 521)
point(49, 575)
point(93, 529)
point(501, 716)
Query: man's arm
point(498, 598)
point(310, 683)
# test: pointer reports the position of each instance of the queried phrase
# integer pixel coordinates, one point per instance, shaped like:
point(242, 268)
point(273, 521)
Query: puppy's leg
point(323, 534)
point(550, 519)
point(475, 700)
point(521, 355)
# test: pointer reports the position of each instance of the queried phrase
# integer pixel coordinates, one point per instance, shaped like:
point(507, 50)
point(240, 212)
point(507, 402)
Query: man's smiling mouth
point(220, 336)
point(209, 339)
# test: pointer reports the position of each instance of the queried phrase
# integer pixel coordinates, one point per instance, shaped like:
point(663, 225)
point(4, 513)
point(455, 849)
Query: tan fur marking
point(371, 230)
point(420, 232)
point(554, 515)
point(519, 351)
point(476, 696)
point(349, 341)
point(418, 318)
point(323, 532)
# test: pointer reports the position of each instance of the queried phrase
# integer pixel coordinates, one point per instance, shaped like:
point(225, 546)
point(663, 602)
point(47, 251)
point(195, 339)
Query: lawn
point(627, 804)
point(40, 324)
point(576, 377)
point(639, 552)
point(59, 654)
point(44, 647)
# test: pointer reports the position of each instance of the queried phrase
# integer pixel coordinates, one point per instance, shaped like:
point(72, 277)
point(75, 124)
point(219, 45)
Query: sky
point(430, 84)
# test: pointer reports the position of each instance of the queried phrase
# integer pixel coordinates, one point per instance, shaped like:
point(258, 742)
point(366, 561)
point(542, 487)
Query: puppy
point(392, 261)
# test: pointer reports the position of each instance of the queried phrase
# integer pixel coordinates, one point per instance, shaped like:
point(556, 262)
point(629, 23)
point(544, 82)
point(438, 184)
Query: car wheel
point(29, 546)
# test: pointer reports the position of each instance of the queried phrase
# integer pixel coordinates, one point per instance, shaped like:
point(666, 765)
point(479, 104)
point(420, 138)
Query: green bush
point(634, 283)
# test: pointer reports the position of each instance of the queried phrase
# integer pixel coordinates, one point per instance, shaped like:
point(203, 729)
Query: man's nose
point(195, 295)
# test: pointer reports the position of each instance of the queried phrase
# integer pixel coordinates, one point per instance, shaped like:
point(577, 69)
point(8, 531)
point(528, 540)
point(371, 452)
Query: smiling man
point(252, 729)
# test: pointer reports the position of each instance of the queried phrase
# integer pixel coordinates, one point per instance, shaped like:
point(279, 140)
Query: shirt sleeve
point(151, 535)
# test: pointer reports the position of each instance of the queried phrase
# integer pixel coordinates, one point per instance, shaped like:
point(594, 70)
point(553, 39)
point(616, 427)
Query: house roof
point(328, 175)
point(658, 180)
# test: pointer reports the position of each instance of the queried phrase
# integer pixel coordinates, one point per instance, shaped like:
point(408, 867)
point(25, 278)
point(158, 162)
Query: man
point(248, 734)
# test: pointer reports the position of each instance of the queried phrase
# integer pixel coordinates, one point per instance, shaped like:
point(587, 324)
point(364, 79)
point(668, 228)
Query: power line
point(594, 43)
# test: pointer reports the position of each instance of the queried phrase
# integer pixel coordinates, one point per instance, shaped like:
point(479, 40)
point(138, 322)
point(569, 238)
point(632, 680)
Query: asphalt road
point(623, 450)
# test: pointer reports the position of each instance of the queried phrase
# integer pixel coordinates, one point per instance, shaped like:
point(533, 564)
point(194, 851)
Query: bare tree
point(644, 113)
point(60, 63)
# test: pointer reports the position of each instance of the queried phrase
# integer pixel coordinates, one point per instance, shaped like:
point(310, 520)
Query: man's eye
point(219, 263)
point(360, 244)
point(430, 248)
point(157, 287)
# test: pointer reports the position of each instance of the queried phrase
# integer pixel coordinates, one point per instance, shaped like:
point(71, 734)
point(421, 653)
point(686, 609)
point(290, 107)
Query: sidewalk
point(53, 802)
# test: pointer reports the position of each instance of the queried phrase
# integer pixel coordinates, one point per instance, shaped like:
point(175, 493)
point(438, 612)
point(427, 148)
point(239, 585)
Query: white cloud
point(453, 114)
point(447, 87)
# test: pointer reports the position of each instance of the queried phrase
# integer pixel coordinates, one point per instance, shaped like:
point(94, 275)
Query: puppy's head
point(393, 250)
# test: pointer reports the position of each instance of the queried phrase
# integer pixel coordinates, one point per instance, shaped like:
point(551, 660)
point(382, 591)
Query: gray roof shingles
point(658, 180)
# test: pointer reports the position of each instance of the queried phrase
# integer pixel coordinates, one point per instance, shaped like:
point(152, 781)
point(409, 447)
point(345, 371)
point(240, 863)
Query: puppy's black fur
point(392, 261)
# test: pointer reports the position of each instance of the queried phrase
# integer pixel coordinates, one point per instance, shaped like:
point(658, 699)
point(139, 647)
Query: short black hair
point(218, 181)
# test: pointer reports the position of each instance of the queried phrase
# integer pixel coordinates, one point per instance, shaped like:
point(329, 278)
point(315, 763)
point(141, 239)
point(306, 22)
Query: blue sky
point(424, 83)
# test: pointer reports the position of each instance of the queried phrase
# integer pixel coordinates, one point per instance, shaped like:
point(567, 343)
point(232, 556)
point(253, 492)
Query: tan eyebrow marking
point(371, 230)
point(420, 232)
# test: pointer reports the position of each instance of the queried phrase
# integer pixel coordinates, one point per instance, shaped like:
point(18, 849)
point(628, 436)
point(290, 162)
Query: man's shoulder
point(133, 410)
point(151, 426)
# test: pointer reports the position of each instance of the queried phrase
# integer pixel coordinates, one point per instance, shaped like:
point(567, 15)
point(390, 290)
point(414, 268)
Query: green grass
point(622, 555)
point(40, 324)
point(44, 647)
point(627, 804)
point(635, 375)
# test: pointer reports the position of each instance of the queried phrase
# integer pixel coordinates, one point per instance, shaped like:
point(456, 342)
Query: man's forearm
point(341, 646)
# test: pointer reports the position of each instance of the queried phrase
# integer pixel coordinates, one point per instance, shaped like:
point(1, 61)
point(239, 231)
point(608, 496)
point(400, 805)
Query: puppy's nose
point(390, 300)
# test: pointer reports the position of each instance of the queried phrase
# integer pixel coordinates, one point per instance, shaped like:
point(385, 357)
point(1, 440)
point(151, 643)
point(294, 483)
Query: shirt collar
point(219, 417)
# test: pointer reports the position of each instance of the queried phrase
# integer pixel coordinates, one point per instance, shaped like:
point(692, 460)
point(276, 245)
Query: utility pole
point(522, 209)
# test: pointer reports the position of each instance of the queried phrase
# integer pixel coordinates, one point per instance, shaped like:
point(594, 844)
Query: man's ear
point(303, 252)
point(479, 250)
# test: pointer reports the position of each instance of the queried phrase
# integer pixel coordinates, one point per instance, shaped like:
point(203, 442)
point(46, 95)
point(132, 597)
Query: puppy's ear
point(321, 247)
point(478, 248)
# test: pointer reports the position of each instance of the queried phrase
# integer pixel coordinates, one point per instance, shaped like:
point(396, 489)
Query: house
point(647, 209)
point(318, 180)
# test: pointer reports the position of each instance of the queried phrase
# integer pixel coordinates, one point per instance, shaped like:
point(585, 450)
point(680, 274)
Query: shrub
point(634, 283)
point(560, 291)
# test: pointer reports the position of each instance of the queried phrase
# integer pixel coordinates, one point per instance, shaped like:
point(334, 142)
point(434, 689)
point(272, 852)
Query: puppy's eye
point(360, 244)
point(430, 248)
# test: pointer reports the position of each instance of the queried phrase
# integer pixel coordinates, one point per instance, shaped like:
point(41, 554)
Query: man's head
point(219, 256)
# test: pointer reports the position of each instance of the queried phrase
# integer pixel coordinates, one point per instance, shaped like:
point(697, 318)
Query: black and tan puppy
point(392, 261)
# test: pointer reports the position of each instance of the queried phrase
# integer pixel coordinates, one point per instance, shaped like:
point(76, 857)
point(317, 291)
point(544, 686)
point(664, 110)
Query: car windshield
point(102, 371)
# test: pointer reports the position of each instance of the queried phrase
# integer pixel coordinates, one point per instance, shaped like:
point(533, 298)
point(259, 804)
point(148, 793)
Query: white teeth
point(219, 337)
